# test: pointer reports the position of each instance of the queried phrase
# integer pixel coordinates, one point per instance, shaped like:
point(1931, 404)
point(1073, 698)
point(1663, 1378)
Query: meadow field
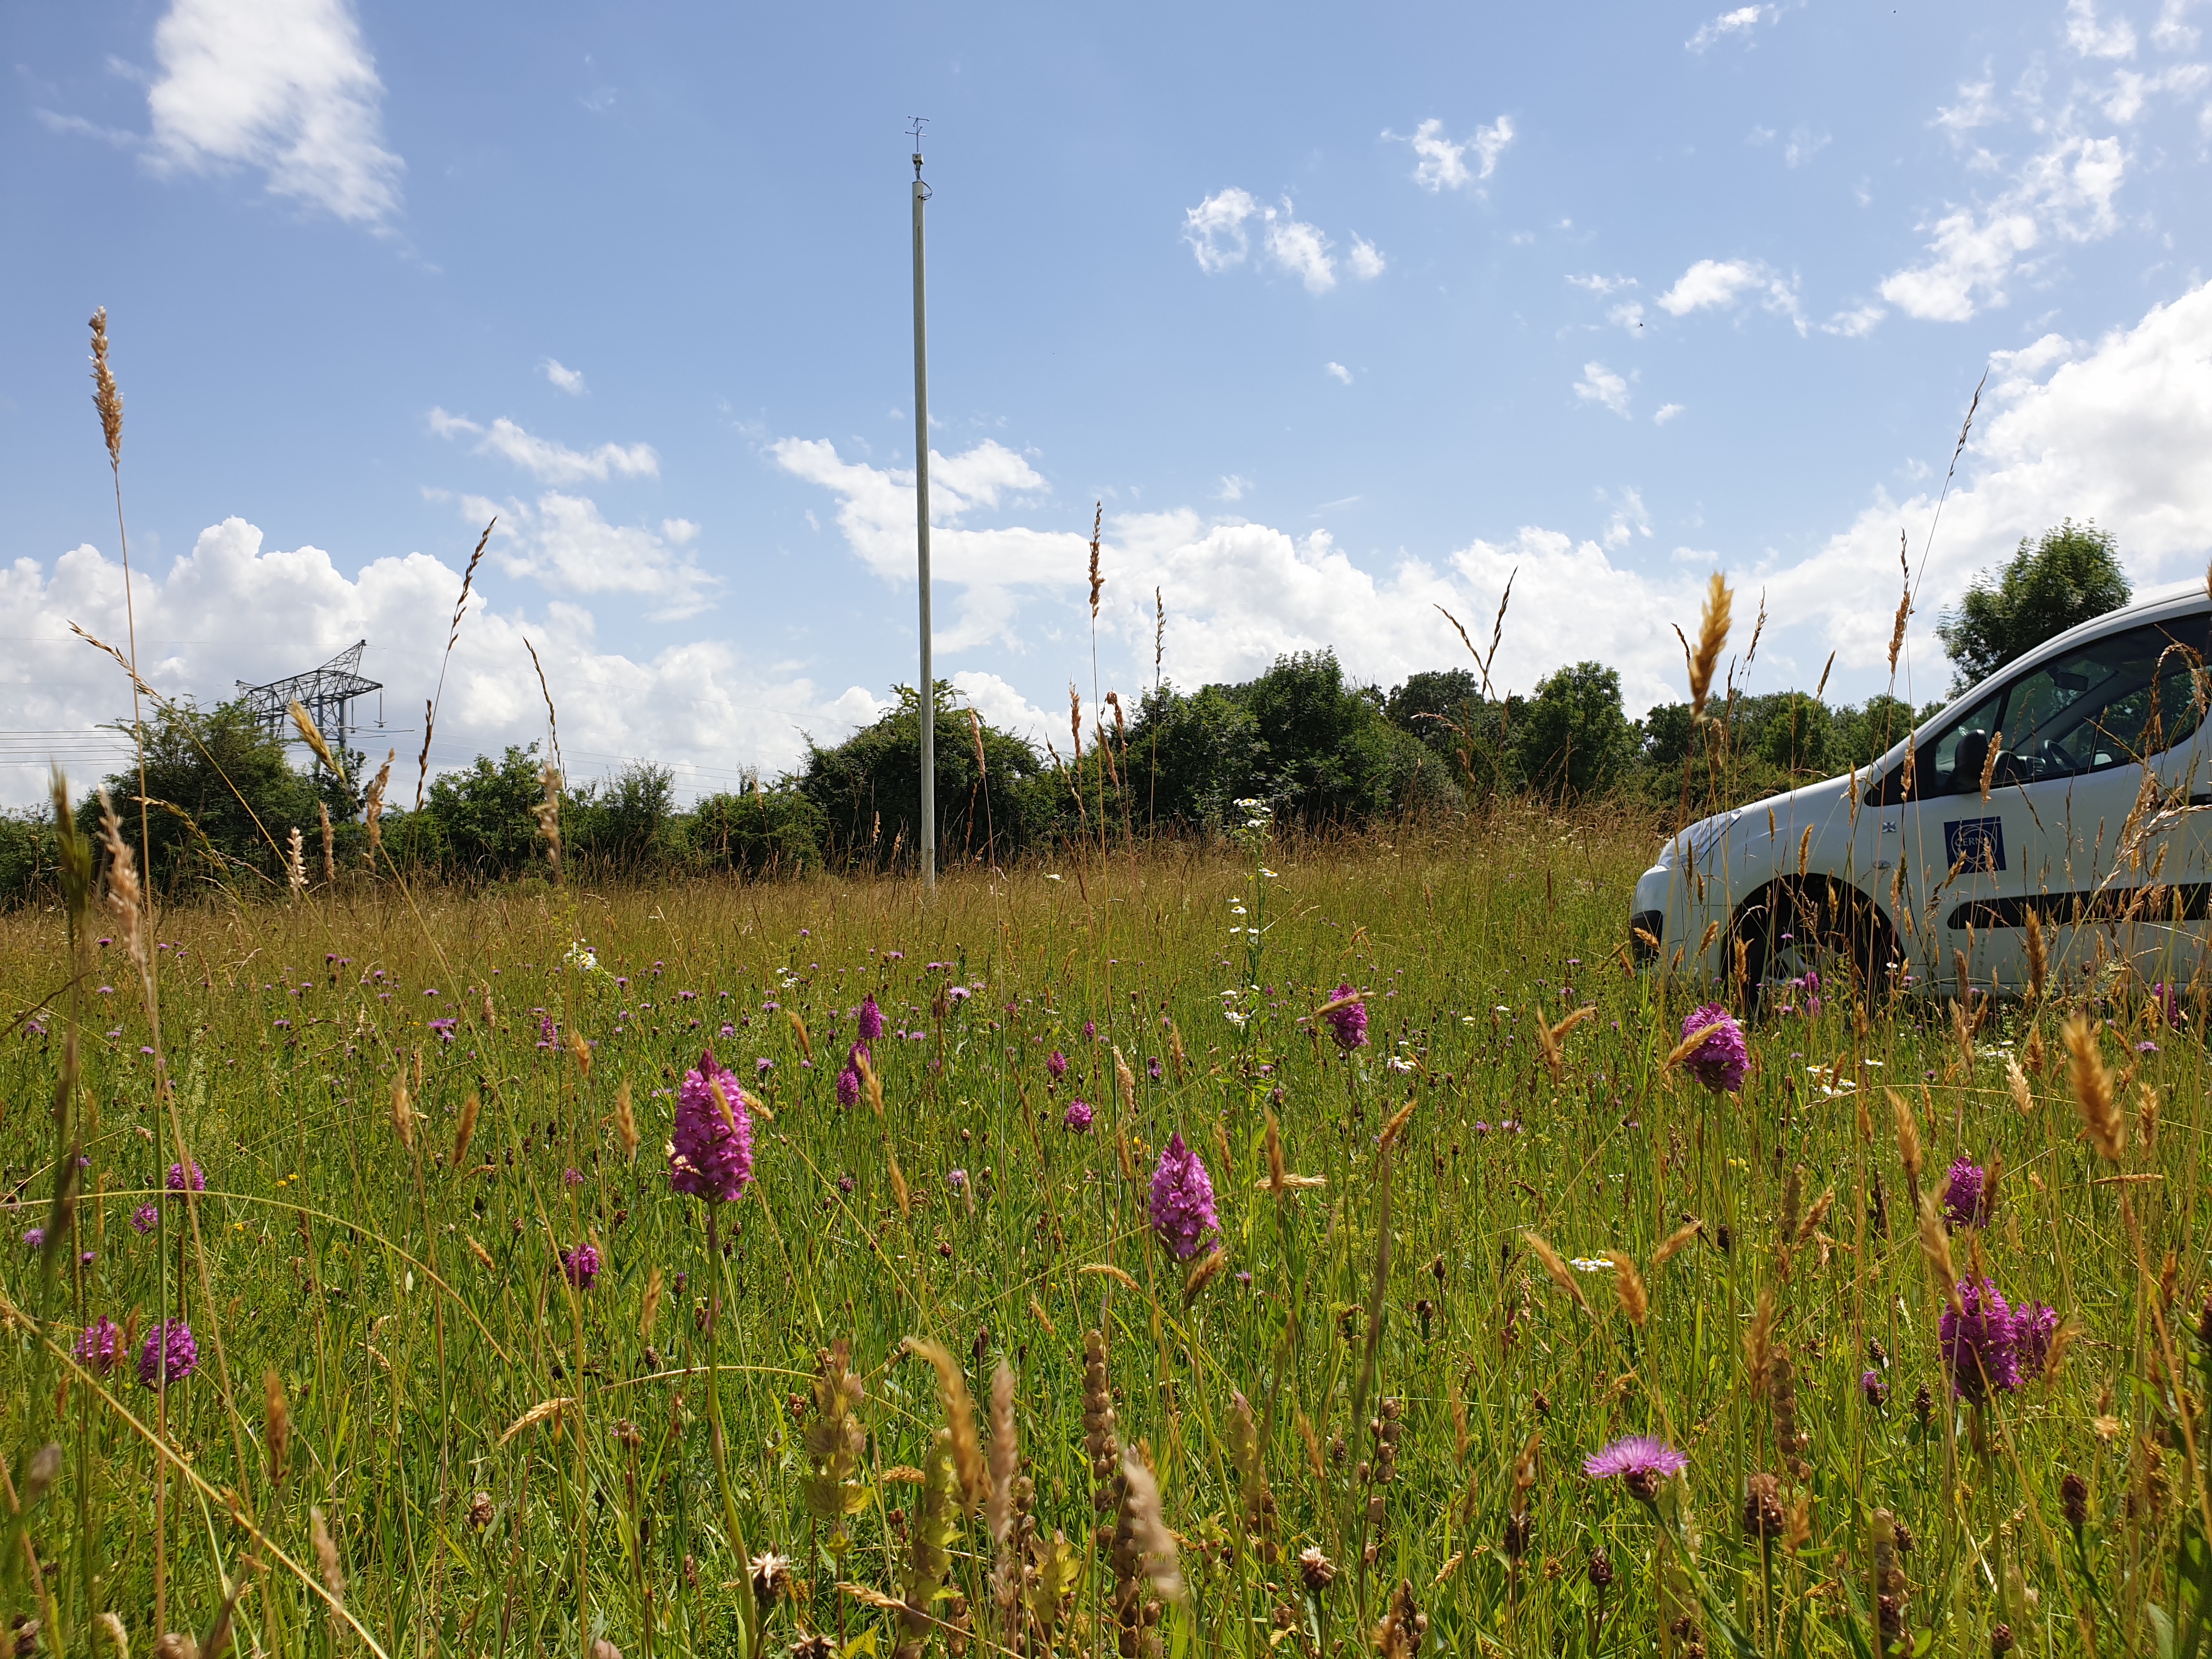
point(1491, 1327)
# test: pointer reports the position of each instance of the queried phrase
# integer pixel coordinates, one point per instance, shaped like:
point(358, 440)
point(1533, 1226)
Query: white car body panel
point(1973, 864)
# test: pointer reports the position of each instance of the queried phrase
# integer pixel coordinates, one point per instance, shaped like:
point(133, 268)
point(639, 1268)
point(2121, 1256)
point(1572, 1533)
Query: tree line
point(222, 796)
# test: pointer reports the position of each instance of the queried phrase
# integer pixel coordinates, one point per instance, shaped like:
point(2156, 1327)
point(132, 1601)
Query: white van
point(2071, 784)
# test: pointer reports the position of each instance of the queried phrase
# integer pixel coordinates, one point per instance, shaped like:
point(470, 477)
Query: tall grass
point(1444, 1283)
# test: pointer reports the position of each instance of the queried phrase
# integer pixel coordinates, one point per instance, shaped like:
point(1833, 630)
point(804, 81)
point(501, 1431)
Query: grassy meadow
point(415, 1426)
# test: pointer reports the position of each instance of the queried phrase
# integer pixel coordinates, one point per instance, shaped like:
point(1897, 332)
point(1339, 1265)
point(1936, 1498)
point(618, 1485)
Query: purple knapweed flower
point(1077, 1119)
point(580, 1267)
point(444, 1028)
point(2033, 1325)
point(712, 1153)
point(958, 1180)
point(95, 1349)
point(572, 1177)
point(1154, 1068)
point(1349, 1023)
point(1183, 1199)
point(1966, 1198)
point(1977, 1345)
point(1721, 1060)
point(177, 1183)
point(34, 1238)
point(871, 1019)
point(144, 1217)
point(168, 1353)
point(1056, 1063)
point(1876, 1387)
point(1640, 1461)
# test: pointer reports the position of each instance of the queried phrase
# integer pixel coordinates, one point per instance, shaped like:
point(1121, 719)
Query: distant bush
point(26, 857)
point(759, 832)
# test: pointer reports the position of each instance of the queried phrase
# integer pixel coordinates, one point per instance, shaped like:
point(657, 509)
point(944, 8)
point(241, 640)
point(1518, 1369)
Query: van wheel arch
point(1838, 921)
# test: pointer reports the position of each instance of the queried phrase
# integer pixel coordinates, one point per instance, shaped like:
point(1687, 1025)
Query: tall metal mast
point(921, 528)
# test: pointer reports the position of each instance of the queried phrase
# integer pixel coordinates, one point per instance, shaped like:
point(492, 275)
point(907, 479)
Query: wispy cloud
point(286, 87)
point(544, 457)
point(1219, 232)
point(570, 380)
point(1601, 385)
point(1737, 22)
point(1665, 413)
point(1441, 163)
point(1337, 372)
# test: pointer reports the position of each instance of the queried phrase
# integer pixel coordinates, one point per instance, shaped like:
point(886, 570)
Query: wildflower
point(1183, 1199)
point(1721, 1060)
point(1876, 1387)
point(1077, 1119)
point(958, 1180)
point(1090, 1030)
point(848, 1087)
point(572, 1177)
point(1979, 1347)
point(2168, 1006)
point(95, 1349)
point(169, 1354)
point(1153, 1069)
point(143, 1217)
point(1640, 1461)
point(1349, 1022)
point(580, 1265)
point(1965, 1200)
point(1315, 1570)
point(711, 1154)
point(444, 1028)
point(177, 1183)
point(2033, 1325)
point(34, 1238)
point(1056, 1064)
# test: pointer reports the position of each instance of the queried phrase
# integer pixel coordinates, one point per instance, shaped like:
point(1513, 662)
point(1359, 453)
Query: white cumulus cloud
point(284, 86)
point(1215, 229)
point(1337, 372)
point(1665, 413)
point(565, 543)
point(1719, 284)
point(232, 609)
point(2092, 37)
point(565, 379)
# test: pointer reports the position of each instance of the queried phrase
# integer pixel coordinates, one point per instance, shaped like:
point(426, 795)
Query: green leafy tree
point(868, 788)
point(222, 797)
point(484, 816)
point(1574, 741)
point(1795, 735)
point(627, 825)
point(1434, 705)
point(1330, 753)
point(2056, 580)
point(1190, 757)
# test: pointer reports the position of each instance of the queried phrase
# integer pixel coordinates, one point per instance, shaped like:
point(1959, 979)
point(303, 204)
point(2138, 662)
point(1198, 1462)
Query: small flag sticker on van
point(1974, 846)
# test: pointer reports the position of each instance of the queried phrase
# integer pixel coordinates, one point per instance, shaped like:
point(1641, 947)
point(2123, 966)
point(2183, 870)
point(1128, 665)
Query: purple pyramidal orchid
point(1722, 1059)
point(711, 1155)
point(1183, 1199)
point(1349, 1023)
point(168, 1353)
point(1967, 1200)
point(871, 1019)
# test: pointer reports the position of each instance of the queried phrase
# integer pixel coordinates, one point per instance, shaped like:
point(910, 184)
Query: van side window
point(2112, 702)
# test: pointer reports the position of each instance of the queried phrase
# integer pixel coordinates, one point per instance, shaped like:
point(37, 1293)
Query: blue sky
point(1343, 316)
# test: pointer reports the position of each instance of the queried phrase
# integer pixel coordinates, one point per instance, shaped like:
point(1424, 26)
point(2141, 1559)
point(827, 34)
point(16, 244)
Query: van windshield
point(2112, 702)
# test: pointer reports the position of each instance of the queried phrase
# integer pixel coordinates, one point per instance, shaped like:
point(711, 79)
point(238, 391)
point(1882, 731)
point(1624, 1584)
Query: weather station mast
point(928, 707)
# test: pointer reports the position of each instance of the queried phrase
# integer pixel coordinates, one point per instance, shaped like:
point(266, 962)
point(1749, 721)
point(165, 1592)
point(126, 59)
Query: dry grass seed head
point(105, 397)
point(1005, 1454)
point(2092, 1082)
point(1555, 1268)
point(1712, 638)
point(1628, 1288)
point(1674, 1243)
point(626, 1120)
point(1758, 1340)
point(959, 1406)
point(1936, 1249)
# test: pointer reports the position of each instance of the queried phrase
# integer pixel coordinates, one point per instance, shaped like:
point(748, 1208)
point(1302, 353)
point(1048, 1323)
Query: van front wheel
point(1811, 937)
